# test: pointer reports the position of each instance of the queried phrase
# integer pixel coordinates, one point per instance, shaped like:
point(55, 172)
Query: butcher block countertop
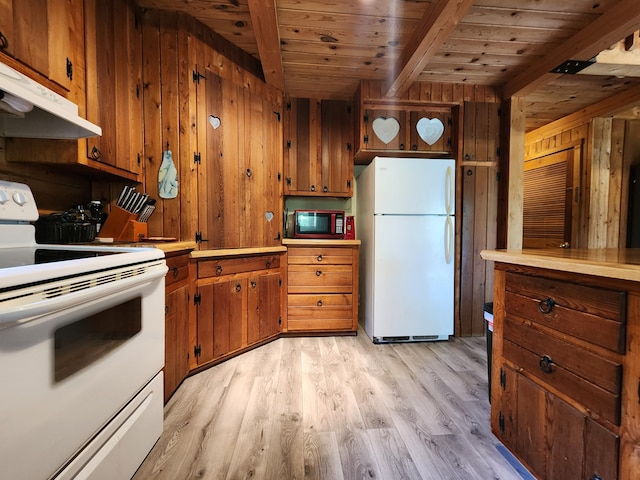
point(231, 252)
point(623, 264)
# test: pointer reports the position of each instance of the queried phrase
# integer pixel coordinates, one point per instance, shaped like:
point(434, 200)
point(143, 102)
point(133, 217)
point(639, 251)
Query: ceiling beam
point(621, 20)
point(433, 29)
point(264, 18)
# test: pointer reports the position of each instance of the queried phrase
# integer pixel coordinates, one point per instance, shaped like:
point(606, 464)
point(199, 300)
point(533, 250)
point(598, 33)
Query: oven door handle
point(28, 312)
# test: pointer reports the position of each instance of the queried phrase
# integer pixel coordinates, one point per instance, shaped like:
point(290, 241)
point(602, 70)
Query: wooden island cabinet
point(565, 395)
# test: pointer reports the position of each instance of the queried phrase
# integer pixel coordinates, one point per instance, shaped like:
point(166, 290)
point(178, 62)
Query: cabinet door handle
point(313, 188)
point(95, 153)
point(248, 172)
point(546, 364)
point(325, 189)
point(238, 287)
point(545, 306)
point(219, 270)
point(253, 285)
point(595, 476)
point(318, 273)
point(319, 303)
point(3, 42)
point(319, 258)
point(174, 271)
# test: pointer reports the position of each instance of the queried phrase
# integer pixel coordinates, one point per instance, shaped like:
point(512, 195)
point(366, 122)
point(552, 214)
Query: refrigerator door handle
point(448, 240)
point(449, 191)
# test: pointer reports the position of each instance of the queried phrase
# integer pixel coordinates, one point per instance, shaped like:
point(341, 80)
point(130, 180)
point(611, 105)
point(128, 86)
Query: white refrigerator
point(406, 223)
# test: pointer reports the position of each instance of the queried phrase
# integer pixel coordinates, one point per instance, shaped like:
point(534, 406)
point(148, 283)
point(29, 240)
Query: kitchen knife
point(137, 208)
point(123, 195)
point(131, 201)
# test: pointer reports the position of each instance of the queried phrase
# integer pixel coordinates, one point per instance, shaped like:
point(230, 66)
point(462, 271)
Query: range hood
point(30, 110)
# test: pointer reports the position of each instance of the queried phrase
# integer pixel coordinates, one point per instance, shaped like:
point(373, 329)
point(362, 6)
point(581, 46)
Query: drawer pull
point(319, 303)
point(318, 273)
point(267, 264)
point(174, 271)
point(219, 270)
point(254, 284)
point(319, 258)
point(595, 476)
point(238, 287)
point(545, 306)
point(546, 364)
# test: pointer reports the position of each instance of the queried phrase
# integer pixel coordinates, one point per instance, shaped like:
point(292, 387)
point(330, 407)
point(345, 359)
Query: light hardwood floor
point(334, 408)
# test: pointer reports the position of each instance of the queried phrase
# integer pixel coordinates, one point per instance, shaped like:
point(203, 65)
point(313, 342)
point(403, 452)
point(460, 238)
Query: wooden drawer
point(178, 269)
point(227, 266)
point(321, 306)
point(320, 279)
point(589, 379)
point(320, 256)
point(593, 314)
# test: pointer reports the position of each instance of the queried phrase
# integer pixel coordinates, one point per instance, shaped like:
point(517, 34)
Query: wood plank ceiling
point(322, 48)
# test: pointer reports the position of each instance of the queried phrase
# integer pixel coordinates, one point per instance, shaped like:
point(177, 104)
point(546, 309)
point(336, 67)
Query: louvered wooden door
point(550, 199)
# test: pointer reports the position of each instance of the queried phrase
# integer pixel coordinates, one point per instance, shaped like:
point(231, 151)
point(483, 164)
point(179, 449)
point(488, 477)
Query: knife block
point(122, 226)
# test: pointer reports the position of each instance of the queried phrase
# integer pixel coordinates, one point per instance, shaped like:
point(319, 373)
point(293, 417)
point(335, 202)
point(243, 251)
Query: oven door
point(65, 374)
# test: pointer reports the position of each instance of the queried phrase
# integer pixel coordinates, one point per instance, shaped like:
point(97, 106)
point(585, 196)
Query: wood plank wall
point(476, 189)
point(54, 188)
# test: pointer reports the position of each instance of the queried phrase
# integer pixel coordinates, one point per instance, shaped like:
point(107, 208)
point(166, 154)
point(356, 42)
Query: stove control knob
point(3, 197)
point(20, 198)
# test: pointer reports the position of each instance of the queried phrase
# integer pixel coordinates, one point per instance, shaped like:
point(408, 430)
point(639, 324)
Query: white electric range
point(81, 352)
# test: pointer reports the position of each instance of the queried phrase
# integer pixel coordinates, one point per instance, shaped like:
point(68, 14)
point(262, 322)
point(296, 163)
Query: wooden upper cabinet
point(240, 170)
point(113, 40)
point(406, 131)
point(37, 33)
point(317, 148)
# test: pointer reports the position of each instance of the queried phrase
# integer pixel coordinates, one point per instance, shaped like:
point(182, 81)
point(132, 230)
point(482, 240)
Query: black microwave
point(318, 224)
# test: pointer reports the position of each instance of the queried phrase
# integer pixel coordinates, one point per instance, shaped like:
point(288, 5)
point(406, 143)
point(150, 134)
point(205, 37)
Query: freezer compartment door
point(414, 186)
point(413, 277)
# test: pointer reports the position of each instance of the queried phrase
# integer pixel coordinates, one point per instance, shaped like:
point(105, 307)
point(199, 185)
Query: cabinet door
point(240, 188)
point(385, 129)
point(113, 70)
point(337, 152)
point(303, 166)
point(176, 365)
point(221, 318)
point(263, 315)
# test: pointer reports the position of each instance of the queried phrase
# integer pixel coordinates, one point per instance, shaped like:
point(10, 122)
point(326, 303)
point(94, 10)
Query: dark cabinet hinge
point(139, 159)
point(69, 69)
point(278, 115)
point(348, 146)
point(288, 181)
point(197, 351)
point(288, 143)
point(279, 176)
point(197, 158)
point(199, 238)
point(289, 106)
point(348, 183)
point(503, 379)
point(137, 91)
point(498, 151)
point(449, 121)
point(449, 142)
point(280, 282)
point(197, 299)
point(197, 76)
point(499, 111)
point(366, 139)
point(366, 118)
point(279, 320)
point(501, 422)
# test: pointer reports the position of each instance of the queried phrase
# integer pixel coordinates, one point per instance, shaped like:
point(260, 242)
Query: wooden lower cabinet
point(565, 372)
point(322, 288)
point(177, 306)
point(238, 304)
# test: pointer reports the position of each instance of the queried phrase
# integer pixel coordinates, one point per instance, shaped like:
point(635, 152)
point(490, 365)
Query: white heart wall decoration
point(430, 129)
point(386, 129)
point(214, 121)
